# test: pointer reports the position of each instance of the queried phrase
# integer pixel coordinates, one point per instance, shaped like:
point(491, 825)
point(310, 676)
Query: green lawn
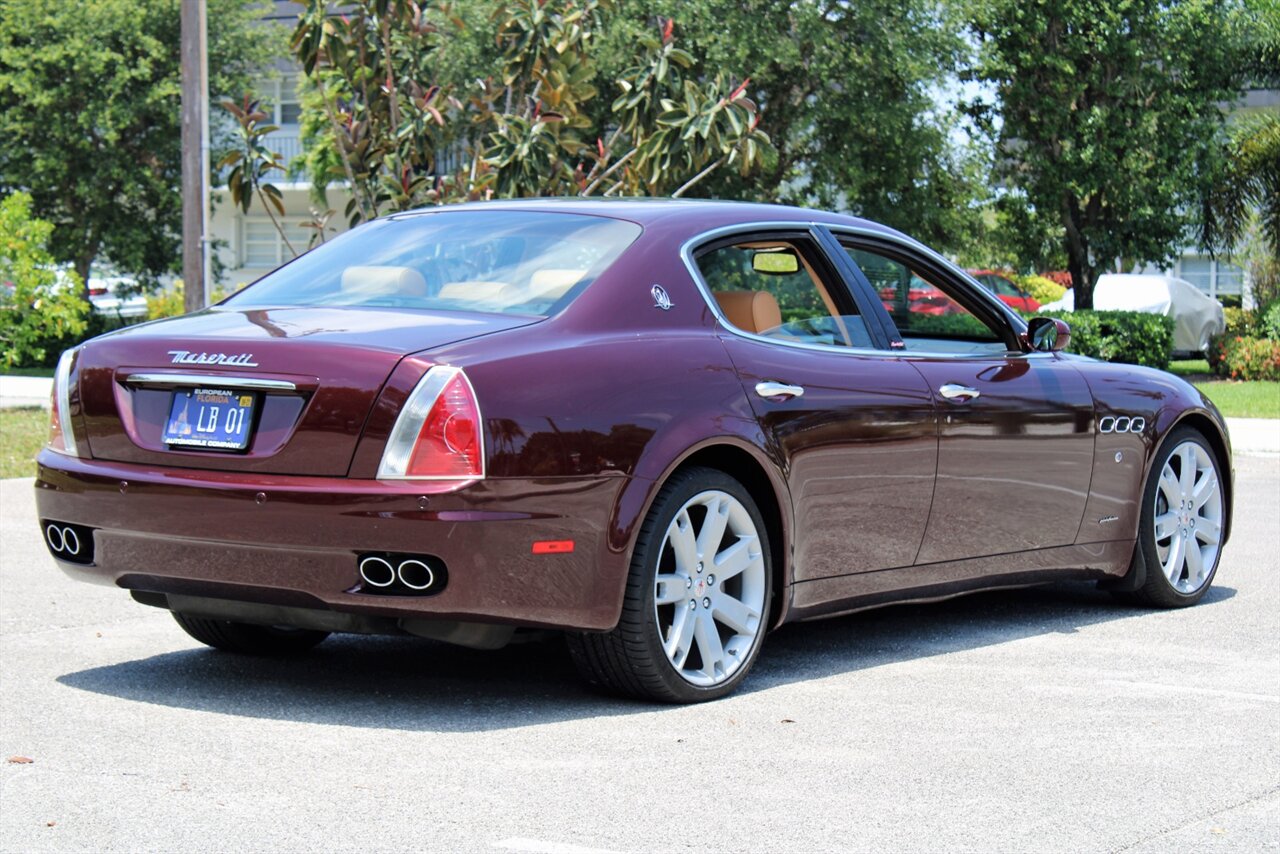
point(1236, 398)
point(22, 434)
point(28, 372)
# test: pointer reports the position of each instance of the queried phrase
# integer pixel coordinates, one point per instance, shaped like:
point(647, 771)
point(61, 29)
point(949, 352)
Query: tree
point(1244, 195)
point(36, 301)
point(538, 127)
point(848, 93)
point(90, 120)
point(1108, 115)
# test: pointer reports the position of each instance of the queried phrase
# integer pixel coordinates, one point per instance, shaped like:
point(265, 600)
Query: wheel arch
point(745, 464)
point(1213, 433)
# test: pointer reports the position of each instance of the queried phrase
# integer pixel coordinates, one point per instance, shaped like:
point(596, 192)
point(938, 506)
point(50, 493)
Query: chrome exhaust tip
point(377, 572)
point(416, 575)
point(72, 543)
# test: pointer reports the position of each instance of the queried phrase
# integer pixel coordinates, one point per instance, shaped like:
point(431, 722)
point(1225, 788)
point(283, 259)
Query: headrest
point(375, 281)
point(475, 291)
point(546, 283)
point(750, 311)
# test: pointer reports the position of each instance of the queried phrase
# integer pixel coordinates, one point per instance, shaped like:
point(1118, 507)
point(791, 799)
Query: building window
point(1212, 277)
point(261, 246)
point(280, 98)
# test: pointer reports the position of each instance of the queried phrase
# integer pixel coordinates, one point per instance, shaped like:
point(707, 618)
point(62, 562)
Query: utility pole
point(195, 154)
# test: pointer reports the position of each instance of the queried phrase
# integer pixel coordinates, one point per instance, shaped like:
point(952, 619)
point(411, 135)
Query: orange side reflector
point(552, 547)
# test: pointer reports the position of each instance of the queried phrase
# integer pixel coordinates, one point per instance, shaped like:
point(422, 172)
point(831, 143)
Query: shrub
point(1244, 358)
point(958, 325)
point(1042, 290)
point(37, 301)
point(1240, 322)
point(1269, 322)
point(169, 301)
point(1132, 337)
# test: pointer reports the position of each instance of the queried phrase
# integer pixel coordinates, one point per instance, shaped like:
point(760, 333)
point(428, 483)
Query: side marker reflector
point(552, 547)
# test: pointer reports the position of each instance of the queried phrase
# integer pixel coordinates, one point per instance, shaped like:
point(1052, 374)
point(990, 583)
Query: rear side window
point(770, 287)
point(512, 262)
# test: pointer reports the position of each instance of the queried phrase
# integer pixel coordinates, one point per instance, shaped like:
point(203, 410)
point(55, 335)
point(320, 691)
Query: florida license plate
point(215, 419)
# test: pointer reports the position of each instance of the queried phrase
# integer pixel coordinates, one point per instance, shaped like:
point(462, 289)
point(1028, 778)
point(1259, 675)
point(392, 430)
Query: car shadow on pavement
point(417, 685)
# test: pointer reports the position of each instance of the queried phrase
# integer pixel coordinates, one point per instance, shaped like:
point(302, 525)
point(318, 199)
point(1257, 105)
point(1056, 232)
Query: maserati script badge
point(186, 357)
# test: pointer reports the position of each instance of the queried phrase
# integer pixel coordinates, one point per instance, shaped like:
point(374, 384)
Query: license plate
point(215, 419)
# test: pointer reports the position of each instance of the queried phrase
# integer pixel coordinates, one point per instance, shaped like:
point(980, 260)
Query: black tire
point(630, 659)
point(1158, 591)
point(248, 639)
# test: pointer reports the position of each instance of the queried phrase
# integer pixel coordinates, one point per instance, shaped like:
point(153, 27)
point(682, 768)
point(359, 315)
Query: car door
point(852, 430)
point(1015, 428)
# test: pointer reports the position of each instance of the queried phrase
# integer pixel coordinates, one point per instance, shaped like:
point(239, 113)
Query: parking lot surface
point(1050, 719)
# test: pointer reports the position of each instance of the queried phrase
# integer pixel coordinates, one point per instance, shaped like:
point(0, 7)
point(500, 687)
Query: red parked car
point(663, 428)
point(1006, 290)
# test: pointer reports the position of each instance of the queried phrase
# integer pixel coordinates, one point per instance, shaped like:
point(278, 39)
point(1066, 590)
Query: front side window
point(770, 287)
point(927, 317)
point(515, 262)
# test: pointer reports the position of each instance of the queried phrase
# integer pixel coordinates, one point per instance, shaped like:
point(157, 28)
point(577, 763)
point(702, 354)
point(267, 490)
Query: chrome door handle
point(957, 392)
point(780, 391)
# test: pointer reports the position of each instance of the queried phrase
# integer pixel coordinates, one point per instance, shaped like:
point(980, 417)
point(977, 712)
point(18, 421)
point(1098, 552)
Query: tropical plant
point(404, 140)
point(251, 162)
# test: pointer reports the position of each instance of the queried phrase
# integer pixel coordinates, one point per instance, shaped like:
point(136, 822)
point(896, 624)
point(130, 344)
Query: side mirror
point(1048, 334)
point(775, 262)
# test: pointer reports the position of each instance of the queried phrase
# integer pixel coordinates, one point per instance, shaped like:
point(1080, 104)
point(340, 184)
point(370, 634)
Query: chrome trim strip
point(686, 255)
point(211, 380)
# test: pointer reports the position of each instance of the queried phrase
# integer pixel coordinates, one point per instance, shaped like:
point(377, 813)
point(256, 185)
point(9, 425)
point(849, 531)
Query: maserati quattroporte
point(662, 428)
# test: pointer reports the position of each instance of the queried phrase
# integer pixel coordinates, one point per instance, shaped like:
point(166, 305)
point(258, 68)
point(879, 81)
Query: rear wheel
point(1183, 516)
point(248, 639)
point(697, 598)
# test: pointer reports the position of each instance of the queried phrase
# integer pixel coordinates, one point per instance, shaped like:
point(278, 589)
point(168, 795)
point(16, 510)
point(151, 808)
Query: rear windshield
point(513, 262)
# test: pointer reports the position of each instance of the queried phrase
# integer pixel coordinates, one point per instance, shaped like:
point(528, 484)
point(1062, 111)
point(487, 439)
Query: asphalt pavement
point(1050, 719)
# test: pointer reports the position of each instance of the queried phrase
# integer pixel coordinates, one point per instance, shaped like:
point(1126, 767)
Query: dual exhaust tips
point(72, 543)
point(404, 575)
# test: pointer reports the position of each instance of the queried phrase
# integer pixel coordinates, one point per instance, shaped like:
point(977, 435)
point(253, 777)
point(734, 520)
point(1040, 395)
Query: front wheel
point(1183, 518)
point(246, 638)
point(697, 599)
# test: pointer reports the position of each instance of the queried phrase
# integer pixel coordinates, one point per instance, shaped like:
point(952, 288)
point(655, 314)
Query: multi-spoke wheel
point(697, 600)
point(1183, 517)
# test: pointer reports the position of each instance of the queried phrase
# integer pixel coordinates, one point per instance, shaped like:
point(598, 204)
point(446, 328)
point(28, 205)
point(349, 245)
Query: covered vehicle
point(662, 428)
point(1196, 317)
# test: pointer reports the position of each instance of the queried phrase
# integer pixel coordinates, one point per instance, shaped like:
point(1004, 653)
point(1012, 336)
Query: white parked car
point(1196, 317)
point(104, 294)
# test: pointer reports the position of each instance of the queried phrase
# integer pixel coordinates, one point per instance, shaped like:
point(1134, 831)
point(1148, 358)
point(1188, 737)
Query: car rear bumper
point(293, 541)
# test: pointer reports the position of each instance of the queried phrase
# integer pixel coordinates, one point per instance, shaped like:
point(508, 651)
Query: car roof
point(697, 214)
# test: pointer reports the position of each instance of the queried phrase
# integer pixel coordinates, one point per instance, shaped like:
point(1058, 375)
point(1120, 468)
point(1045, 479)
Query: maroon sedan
point(660, 427)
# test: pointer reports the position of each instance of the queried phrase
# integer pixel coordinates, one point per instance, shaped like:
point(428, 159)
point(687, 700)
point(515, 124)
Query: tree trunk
point(83, 266)
point(1084, 274)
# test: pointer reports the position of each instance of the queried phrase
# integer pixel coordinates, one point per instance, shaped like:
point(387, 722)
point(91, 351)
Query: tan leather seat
point(750, 311)
point(383, 281)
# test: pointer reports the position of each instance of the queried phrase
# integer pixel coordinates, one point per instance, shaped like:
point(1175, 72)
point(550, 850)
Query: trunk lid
point(315, 374)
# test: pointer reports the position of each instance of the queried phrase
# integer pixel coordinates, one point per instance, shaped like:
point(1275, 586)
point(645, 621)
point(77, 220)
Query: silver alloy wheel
point(1188, 517)
point(709, 592)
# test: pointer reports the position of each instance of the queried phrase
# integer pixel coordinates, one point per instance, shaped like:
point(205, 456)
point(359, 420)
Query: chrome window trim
point(686, 254)
point(242, 383)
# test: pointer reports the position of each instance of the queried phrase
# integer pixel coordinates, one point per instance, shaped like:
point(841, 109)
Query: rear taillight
point(97, 292)
point(61, 437)
point(438, 434)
